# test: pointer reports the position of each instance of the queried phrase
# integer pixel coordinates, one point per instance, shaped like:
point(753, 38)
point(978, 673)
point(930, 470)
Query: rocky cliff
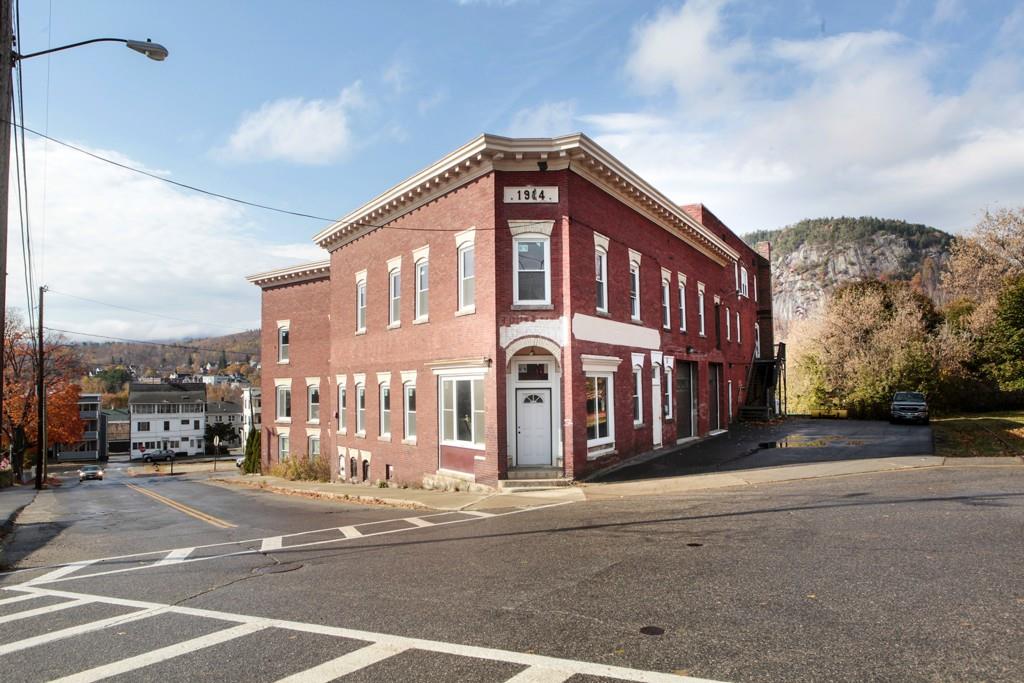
point(811, 258)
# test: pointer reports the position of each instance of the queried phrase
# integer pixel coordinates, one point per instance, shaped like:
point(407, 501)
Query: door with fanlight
point(533, 427)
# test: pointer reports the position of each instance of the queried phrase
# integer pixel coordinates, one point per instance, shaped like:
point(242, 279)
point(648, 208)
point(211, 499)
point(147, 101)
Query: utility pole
point(40, 401)
point(6, 66)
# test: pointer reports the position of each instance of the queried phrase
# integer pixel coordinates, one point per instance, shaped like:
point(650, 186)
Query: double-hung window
point(422, 274)
point(744, 283)
point(394, 297)
point(634, 284)
point(462, 411)
point(313, 402)
point(666, 387)
point(601, 278)
point(282, 343)
point(465, 245)
point(282, 447)
point(409, 389)
point(739, 336)
point(361, 409)
point(361, 302)
point(342, 407)
point(532, 270)
point(728, 324)
point(284, 402)
point(666, 311)
point(313, 447)
point(682, 304)
point(700, 310)
point(638, 395)
point(385, 411)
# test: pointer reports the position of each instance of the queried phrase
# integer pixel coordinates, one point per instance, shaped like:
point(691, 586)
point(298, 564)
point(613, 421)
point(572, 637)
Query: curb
point(327, 495)
point(8, 524)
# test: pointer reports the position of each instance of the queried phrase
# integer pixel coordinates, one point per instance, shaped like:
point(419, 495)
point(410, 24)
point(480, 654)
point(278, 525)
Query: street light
point(8, 58)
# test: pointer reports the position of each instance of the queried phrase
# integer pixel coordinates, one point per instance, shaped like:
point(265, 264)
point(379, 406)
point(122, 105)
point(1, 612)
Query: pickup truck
point(908, 406)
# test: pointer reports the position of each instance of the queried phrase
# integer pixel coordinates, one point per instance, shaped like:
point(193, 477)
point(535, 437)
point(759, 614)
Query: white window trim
point(383, 382)
point(465, 240)
point(666, 299)
point(546, 241)
point(283, 431)
point(408, 382)
point(420, 257)
point(394, 268)
point(281, 382)
point(739, 335)
point(728, 324)
point(601, 276)
point(361, 281)
point(744, 282)
point(312, 382)
point(602, 370)
point(359, 382)
point(634, 280)
point(283, 325)
point(638, 384)
point(594, 364)
point(701, 309)
point(682, 305)
point(452, 377)
point(342, 381)
point(670, 364)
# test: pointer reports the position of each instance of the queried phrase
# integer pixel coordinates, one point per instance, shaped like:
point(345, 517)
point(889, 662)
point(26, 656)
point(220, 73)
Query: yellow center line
point(181, 507)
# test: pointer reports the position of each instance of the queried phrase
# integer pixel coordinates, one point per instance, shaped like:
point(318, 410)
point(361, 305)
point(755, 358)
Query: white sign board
point(531, 195)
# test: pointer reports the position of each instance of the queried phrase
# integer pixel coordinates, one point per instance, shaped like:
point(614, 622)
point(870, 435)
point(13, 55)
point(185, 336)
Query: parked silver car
point(909, 406)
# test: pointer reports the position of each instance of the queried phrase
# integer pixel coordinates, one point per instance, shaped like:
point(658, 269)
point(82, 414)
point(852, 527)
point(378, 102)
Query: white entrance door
point(656, 411)
point(533, 427)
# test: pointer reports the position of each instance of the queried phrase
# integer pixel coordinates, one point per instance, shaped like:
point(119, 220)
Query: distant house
point(252, 411)
point(167, 415)
point(226, 412)
point(118, 430)
point(93, 445)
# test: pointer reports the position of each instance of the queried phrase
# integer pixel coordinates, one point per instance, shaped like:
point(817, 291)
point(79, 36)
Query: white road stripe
point(271, 543)
point(61, 572)
point(536, 674)
point(350, 531)
point(175, 556)
point(416, 521)
point(346, 664)
point(477, 513)
point(19, 598)
point(83, 628)
point(26, 614)
point(471, 651)
point(155, 656)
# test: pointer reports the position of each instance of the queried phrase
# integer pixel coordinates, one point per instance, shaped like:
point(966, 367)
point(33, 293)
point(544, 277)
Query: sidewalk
point(407, 498)
point(12, 500)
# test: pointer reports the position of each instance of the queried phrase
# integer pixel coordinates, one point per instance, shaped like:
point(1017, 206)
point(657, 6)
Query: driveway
point(795, 441)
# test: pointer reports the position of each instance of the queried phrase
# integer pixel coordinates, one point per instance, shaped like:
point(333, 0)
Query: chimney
point(764, 249)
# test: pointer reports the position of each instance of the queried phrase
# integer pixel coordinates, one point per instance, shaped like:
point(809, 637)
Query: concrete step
point(510, 485)
point(535, 473)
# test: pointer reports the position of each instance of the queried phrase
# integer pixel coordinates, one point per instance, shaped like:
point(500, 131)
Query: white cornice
point(492, 152)
point(292, 274)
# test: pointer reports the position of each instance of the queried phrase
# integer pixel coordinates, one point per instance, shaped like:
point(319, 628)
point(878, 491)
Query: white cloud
point(947, 12)
point(397, 76)
point(296, 130)
point(686, 50)
point(119, 237)
point(548, 119)
point(847, 124)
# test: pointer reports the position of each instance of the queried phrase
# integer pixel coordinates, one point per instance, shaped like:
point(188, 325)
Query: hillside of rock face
point(813, 257)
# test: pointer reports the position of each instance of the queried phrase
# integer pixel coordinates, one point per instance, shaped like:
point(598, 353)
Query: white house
point(252, 408)
point(168, 415)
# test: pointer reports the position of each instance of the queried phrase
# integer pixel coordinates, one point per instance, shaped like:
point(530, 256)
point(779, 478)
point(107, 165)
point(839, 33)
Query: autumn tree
point(18, 430)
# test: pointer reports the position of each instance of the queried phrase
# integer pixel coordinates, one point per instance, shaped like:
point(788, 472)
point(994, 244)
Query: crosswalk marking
point(175, 556)
point(537, 668)
point(537, 674)
point(62, 571)
point(417, 521)
point(18, 598)
point(153, 657)
point(272, 543)
point(346, 664)
point(78, 630)
point(350, 531)
point(26, 614)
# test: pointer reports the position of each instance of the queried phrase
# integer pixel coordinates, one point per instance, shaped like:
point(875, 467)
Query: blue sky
point(766, 112)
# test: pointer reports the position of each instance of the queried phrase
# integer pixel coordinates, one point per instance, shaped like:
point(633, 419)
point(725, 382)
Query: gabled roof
point(169, 392)
point(292, 274)
point(488, 152)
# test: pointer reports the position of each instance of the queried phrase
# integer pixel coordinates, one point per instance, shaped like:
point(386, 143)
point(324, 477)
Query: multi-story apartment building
point(520, 306)
point(118, 430)
point(252, 409)
point(167, 415)
point(226, 412)
point(93, 445)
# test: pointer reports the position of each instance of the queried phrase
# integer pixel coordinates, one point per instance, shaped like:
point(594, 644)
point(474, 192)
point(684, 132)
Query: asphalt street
point(901, 576)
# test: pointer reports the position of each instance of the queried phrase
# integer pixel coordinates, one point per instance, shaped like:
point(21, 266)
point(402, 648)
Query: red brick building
point(520, 306)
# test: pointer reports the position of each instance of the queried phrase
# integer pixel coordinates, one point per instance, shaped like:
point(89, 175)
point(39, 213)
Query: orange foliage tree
point(18, 430)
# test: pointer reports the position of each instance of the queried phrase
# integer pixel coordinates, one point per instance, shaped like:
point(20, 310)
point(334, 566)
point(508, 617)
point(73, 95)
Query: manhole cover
point(652, 630)
point(277, 568)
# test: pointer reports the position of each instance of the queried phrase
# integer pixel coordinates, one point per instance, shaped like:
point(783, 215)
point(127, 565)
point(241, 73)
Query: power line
point(143, 341)
point(136, 310)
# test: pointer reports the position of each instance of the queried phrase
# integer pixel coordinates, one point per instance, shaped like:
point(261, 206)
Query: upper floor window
point(739, 336)
point(467, 277)
point(728, 325)
point(682, 305)
point(601, 278)
point(313, 400)
point(634, 284)
point(757, 340)
point(744, 283)
point(284, 402)
point(422, 289)
point(532, 270)
point(361, 301)
point(282, 344)
point(666, 315)
point(394, 297)
point(701, 329)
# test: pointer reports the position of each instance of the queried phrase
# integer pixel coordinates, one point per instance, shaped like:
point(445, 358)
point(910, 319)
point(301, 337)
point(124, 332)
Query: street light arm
point(152, 50)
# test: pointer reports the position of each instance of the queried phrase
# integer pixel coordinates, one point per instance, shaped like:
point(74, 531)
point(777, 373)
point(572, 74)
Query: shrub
point(252, 463)
point(303, 469)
